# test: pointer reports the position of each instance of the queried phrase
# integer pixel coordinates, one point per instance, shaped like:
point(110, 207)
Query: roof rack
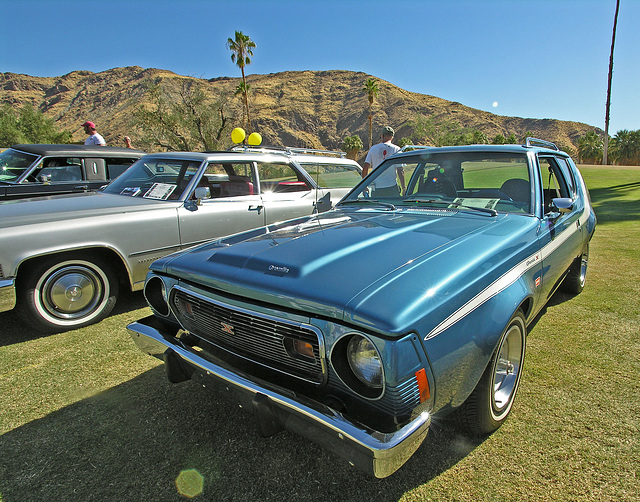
point(409, 148)
point(287, 150)
point(535, 141)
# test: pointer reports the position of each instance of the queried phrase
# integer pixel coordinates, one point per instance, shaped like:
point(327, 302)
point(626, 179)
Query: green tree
point(625, 147)
point(352, 145)
point(498, 139)
point(371, 90)
point(181, 119)
point(28, 125)
point(242, 90)
point(241, 48)
point(590, 148)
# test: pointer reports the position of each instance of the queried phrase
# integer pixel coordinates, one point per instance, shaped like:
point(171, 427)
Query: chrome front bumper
point(7, 294)
point(379, 454)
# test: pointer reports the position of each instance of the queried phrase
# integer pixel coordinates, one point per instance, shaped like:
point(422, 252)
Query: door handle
point(256, 208)
point(81, 187)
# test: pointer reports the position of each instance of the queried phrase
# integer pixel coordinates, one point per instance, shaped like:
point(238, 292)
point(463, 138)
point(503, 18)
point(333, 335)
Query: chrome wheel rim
point(507, 369)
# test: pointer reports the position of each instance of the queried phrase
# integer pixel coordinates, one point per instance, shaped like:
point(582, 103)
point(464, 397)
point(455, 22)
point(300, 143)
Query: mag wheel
point(489, 404)
point(59, 294)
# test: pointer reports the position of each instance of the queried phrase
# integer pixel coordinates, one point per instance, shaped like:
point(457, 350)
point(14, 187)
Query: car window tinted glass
point(276, 177)
point(57, 170)
point(115, 167)
point(333, 175)
point(492, 180)
point(228, 179)
point(13, 164)
point(155, 178)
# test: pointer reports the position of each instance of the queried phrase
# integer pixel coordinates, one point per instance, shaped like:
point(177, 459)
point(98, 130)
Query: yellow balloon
point(238, 135)
point(254, 139)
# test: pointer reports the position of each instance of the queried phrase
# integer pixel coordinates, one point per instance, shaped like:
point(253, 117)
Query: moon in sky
point(495, 104)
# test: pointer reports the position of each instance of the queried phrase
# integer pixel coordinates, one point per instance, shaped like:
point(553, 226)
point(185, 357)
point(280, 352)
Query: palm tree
point(606, 117)
point(242, 90)
point(371, 90)
point(241, 53)
point(590, 148)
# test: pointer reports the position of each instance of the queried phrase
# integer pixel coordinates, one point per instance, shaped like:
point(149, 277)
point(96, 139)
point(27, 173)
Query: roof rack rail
point(535, 141)
point(287, 150)
point(408, 148)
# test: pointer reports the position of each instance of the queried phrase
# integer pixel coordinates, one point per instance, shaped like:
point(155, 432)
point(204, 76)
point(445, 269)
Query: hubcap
point(71, 292)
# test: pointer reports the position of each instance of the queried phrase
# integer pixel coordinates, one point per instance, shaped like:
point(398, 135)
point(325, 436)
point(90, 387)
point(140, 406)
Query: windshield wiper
point(487, 210)
point(368, 201)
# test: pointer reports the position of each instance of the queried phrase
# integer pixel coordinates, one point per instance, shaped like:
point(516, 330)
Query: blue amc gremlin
point(354, 327)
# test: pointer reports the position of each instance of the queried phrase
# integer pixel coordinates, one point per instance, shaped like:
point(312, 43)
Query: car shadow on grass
point(132, 441)
point(14, 329)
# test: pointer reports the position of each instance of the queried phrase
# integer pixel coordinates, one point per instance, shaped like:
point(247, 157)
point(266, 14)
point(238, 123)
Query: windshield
point(13, 164)
point(155, 178)
point(488, 181)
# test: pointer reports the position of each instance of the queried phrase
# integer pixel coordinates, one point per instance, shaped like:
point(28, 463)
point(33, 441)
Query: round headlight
point(154, 292)
point(365, 362)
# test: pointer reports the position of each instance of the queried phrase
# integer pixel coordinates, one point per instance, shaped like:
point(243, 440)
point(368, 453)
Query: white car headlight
point(365, 362)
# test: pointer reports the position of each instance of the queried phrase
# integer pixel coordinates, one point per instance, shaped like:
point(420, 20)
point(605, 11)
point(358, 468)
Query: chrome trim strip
point(378, 453)
point(7, 294)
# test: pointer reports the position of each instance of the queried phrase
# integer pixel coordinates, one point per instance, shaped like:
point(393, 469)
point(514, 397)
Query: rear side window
point(276, 177)
point(115, 167)
point(333, 175)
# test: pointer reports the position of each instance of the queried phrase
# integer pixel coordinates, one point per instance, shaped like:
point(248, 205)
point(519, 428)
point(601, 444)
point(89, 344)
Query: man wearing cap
point(385, 184)
point(94, 138)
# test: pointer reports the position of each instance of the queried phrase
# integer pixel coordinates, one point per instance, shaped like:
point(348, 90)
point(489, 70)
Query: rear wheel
point(577, 277)
point(64, 292)
point(491, 401)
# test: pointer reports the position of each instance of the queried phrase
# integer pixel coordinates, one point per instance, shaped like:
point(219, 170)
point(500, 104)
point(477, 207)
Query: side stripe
point(508, 278)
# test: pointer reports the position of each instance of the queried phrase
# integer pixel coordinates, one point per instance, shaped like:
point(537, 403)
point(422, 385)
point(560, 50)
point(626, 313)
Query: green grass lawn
point(85, 416)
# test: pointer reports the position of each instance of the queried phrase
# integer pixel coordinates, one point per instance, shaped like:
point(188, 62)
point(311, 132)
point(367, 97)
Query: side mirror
point(45, 178)
point(202, 193)
point(563, 204)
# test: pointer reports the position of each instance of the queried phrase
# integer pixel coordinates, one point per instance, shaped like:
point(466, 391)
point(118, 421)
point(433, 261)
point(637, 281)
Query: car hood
point(68, 207)
point(374, 269)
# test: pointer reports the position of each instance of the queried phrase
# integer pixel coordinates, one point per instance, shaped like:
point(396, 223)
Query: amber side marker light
point(423, 385)
point(303, 348)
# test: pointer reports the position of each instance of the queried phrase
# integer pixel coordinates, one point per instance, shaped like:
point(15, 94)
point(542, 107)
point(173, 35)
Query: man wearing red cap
point(94, 138)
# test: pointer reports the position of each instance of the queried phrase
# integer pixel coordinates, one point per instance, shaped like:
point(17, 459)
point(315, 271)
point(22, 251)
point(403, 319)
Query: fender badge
point(227, 328)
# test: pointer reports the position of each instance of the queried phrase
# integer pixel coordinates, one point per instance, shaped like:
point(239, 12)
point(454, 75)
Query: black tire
point(577, 276)
point(490, 403)
point(66, 292)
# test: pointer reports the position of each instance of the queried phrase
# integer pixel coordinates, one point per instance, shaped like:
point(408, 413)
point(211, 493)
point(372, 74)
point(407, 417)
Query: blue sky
point(525, 58)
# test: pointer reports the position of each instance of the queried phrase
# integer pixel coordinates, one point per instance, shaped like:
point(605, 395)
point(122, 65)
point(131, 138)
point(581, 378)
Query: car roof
point(253, 154)
point(84, 150)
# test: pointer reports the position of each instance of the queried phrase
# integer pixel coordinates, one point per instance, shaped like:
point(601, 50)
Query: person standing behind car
point(386, 184)
point(94, 138)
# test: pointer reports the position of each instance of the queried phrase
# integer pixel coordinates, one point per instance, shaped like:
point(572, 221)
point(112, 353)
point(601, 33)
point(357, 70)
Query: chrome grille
point(254, 336)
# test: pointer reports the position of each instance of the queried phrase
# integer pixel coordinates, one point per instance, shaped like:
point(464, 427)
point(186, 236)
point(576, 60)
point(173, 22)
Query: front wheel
point(489, 404)
point(63, 293)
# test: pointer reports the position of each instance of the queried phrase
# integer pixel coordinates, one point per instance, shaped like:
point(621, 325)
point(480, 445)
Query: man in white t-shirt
point(94, 138)
point(386, 184)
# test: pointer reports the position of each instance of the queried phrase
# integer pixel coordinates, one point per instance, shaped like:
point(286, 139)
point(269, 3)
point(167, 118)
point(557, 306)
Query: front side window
point(554, 183)
point(155, 178)
point(489, 180)
point(57, 170)
point(13, 164)
point(333, 175)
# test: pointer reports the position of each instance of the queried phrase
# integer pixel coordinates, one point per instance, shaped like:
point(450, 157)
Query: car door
point(286, 192)
point(233, 205)
point(561, 232)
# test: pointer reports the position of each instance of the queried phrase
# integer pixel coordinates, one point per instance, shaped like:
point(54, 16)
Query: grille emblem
point(227, 328)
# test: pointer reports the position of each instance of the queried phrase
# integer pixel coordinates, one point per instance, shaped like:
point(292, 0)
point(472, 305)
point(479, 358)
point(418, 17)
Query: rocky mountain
point(311, 109)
